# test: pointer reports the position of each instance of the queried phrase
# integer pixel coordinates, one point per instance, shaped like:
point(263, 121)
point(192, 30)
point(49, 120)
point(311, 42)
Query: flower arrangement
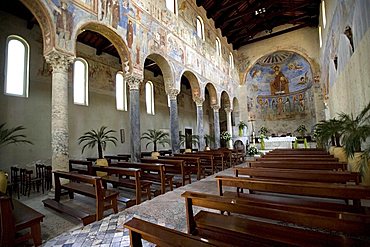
point(301, 130)
point(263, 131)
point(252, 150)
point(225, 136)
point(241, 125)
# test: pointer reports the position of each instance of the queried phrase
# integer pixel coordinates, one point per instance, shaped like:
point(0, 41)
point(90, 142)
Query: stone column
point(199, 103)
point(216, 119)
point(174, 120)
point(228, 111)
point(59, 63)
point(135, 142)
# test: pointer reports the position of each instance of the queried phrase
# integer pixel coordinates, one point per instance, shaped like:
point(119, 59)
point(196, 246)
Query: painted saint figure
point(280, 84)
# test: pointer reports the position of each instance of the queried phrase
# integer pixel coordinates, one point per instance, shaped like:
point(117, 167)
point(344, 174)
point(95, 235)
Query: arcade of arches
point(279, 83)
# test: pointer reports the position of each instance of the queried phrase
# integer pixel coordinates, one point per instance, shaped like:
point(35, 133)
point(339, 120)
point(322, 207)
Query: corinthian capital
point(228, 109)
point(133, 82)
point(59, 61)
point(198, 101)
point(172, 93)
point(215, 108)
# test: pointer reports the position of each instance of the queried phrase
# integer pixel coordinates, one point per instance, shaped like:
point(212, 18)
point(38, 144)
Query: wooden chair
point(14, 217)
point(15, 180)
point(28, 181)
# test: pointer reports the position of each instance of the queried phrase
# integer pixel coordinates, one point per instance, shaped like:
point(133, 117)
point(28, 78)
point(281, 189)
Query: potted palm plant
point(302, 132)
point(99, 137)
point(194, 139)
point(355, 132)
point(7, 137)
point(156, 137)
point(241, 126)
point(330, 130)
point(12, 136)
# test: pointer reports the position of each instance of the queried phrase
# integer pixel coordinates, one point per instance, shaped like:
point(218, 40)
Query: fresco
point(277, 85)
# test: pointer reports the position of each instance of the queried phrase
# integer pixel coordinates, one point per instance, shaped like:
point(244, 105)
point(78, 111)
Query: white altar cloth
point(279, 142)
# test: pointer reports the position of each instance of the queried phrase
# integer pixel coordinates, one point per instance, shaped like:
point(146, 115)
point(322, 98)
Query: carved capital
point(133, 82)
point(228, 110)
point(59, 61)
point(215, 108)
point(172, 93)
point(198, 101)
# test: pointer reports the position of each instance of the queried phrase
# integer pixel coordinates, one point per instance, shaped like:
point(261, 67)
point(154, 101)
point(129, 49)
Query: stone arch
point(212, 93)
point(315, 67)
point(236, 104)
point(225, 99)
point(113, 37)
point(194, 83)
point(166, 69)
point(44, 19)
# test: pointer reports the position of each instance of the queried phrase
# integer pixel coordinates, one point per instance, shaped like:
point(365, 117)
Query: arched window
point(320, 36)
point(231, 61)
point(171, 5)
point(323, 13)
point(149, 97)
point(16, 66)
point(121, 94)
point(218, 47)
point(200, 27)
point(80, 82)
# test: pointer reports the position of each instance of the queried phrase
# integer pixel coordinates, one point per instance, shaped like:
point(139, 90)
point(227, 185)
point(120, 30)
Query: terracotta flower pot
point(155, 155)
point(340, 154)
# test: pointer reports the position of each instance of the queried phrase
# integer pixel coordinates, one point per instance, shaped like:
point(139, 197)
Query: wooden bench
point(192, 162)
point(312, 189)
point(86, 185)
point(303, 165)
point(348, 223)
point(173, 167)
point(116, 158)
point(228, 156)
point(218, 159)
point(81, 166)
point(152, 172)
point(300, 175)
point(271, 158)
point(299, 151)
point(206, 161)
point(16, 216)
point(121, 177)
point(242, 231)
point(307, 156)
point(161, 236)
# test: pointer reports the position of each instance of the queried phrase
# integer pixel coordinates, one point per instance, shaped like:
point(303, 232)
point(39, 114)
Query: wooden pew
point(307, 156)
point(347, 223)
point(152, 172)
point(161, 236)
point(16, 216)
point(118, 176)
point(193, 162)
point(86, 185)
point(218, 159)
point(173, 167)
point(116, 158)
point(296, 159)
point(206, 160)
point(312, 189)
point(303, 165)
point(81, 166)
point(323, 176)
point(299, 151)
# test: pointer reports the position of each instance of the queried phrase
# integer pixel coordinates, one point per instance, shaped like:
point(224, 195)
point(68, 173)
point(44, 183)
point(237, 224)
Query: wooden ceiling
point(247, 21)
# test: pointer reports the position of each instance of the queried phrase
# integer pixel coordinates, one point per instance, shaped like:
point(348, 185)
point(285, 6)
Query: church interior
point(136, 122)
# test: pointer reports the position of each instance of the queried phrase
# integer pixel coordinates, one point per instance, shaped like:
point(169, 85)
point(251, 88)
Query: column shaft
point(216, 119)
point(229, 127)
point(200, 127)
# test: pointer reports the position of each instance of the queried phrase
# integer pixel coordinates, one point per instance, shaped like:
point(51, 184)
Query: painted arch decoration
point(277, 86)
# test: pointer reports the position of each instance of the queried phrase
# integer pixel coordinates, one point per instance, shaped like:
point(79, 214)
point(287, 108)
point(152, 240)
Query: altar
point(279, 142)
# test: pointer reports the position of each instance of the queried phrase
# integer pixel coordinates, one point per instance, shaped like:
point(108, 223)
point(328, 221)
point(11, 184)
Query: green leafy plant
point(252, 150)
point(329, 130)
point(156, 137)
point(12, 136)
point(241, 126)
point(263, 131)
point(355, 130)
point(99, 137)
point(301, 130)
point(194, 139)
point(226, 136)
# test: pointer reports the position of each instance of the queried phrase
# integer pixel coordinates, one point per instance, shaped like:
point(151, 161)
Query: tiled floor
point(167, 210)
